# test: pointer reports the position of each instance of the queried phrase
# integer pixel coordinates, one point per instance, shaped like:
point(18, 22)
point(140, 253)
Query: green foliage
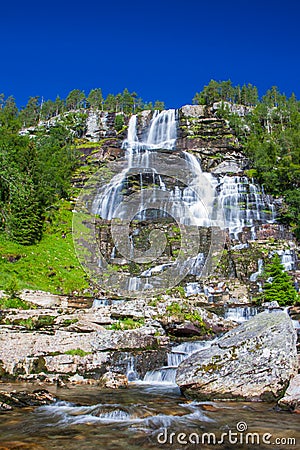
point(177, 290)
point(33, 175)
point(12, 288)
point(119, 122)
point(27, 323)
point(95, 99)
point(174, 308)
point(280, 287)
point(68, 322)
point(77, 352)
point(127, 324)
point(185, 312)
point(75, 99)
point(217, 91)
point(14, 303)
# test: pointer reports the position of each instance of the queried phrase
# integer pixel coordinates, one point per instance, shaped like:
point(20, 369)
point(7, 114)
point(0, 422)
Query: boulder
point(291, 399)
point(138, 338)
point(255, 361)
point(114, 380)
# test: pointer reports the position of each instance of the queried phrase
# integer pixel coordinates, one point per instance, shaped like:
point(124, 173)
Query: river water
point(144, 416)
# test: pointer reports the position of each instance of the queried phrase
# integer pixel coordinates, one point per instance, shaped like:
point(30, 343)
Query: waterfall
point(241, 203)
point(287, 259)
point(167, 374)
point(244, 204)
point(240, 314)
point(255, 275)
point(161, 134)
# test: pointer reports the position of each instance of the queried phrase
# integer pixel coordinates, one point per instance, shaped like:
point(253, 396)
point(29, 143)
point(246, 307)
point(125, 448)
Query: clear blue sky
point(162, 49)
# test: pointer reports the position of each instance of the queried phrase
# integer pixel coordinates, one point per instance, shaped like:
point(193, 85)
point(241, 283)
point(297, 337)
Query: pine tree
point(24, 223)
point(278, 284)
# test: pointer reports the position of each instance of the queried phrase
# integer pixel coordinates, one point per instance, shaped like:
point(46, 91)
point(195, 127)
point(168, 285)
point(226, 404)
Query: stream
point(149, 414)
point(142, 416)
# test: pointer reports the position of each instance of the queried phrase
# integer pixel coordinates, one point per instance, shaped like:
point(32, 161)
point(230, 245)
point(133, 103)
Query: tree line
point(247, 95)
point(37, 109)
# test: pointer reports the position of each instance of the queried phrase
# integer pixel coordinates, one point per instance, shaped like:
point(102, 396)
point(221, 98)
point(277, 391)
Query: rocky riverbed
point(101, 344)
point(81, 345)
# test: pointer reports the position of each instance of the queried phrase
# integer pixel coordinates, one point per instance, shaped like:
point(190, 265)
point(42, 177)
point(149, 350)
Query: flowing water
point(141, 416)
point(149, 414)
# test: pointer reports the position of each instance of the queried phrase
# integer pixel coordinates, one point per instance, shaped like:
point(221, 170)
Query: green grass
point(15, 303)
point(51, 265)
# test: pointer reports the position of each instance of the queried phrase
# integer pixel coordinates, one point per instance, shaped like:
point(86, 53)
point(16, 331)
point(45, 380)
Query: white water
point(244, 204)
point(240, 314)
point(160, 135)
point(255, 275)
point(167, 374)
point(287, 259)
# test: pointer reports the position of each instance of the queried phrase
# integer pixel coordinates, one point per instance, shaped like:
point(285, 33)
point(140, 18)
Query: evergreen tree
point(95, 99)
point(110, 103)
point(278, 284)
point(75, 100)
point(159, 105)
point(24, 219)
point(31, 113)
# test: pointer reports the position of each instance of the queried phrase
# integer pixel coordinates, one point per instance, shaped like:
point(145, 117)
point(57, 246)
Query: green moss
point(68, 322)
point(77, 352)
point(127, 324)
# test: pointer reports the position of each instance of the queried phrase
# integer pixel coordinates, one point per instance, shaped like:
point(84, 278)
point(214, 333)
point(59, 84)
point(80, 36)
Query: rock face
point(255, 361)
point(291, 399)
point(200, 131)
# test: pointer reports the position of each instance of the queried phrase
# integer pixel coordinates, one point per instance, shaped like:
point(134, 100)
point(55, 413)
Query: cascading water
point(161, 134)
point(167, 374)
point(288, 259)
point(240, 314)
point(243, 203)
point(255, 275)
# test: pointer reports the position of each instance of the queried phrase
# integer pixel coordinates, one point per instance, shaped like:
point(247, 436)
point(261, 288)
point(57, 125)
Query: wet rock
point(114, 380)
point(255, 361)
point(291, 399)
point(21, 399)
point(186, 329)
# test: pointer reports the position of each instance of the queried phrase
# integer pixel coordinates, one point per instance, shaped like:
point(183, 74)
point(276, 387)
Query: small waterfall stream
point(166, 375)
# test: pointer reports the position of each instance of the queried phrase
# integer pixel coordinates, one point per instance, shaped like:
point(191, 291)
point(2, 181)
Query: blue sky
point(162, 49)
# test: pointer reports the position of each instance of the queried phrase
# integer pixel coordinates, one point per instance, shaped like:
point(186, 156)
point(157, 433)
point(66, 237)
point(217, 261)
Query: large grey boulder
point(255, 361)
point(291, 399)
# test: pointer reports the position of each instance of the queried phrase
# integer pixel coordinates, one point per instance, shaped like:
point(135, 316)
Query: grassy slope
point(51, 265)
